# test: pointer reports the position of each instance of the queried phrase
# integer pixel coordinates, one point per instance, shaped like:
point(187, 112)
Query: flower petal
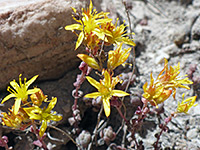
point(106, 106)
point(15, 85)
point(128, 41)
point(43, 128)
point(33, 91)
point(74, 27)
point(79, 40)
point(55, 117)
point(145, 87)
point(17, 106)
point(31, 80)
point(107, 78)
point(91, 6)
point(93, 82)
point(119, 93)
point(89, 60)
point(33, 112)
point(51, 105)
point(8, 97)
point(92, 95)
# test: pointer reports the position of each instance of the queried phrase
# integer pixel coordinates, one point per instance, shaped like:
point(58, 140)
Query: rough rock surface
point(33, 40)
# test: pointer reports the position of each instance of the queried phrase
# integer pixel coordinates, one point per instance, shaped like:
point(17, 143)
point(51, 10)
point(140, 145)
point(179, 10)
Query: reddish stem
point(162, 129)
point(120, 113)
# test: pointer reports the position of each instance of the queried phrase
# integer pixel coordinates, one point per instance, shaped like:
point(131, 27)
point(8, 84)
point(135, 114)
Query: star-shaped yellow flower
point(44, 115)
point(155, 95)
point(105, 90)
point(166, 83)
point(186, 104)
point(19, 121)
point(116, 34)
point(169, 78)
point(89, 24)
point(20, 91)
point(117, 57)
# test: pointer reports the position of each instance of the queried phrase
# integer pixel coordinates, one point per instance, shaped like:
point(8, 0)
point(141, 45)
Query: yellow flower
point(38, 97)
point(89, 24)
point(44, 115)
point(116, 34)
point(166, 83)
point(170, 78)
point(18, 121)
point(105, 90)
point(155, 95)
point(89, 60)
point(20, 92)
point(117, 57)
point(185, 105)
point(92, 41)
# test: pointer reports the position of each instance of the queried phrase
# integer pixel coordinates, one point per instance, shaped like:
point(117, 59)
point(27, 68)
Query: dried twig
point(64, 133)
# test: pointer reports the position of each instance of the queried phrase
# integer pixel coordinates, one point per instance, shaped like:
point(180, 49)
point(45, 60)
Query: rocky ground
point(168, 29)
point(163, 29)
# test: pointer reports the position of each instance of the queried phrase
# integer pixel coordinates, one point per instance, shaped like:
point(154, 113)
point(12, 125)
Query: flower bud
point(38, 97)
point(84, 139)
point(108, 135)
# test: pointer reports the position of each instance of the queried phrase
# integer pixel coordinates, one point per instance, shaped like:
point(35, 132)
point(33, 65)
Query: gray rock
point(196, 3)
point(160, 57)
point(183, 32)
point(196, 30)
point(192, 133)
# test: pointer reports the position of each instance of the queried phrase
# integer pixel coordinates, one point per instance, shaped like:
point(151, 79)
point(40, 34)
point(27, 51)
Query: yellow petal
point(106, 106)
point(55, 117)
point(158, 92)
point(119, 93)
point(73, 9)
point(79, 40)
point(51, 105)
point(33, 91)
point(14, 85)
point(93, 82)
point(8, 97)
point(100, 21)
point(92, 95)
point(33, 112)
point(17, 106)
point(91, 6)
point(43, 128)
point(89, 60)
point(31, 81)
point(99, 33)
point(74, 27)
point(145, 87)
point(152, 80)
point(128, 41)
point(107, 78)
point(185, 81)
point(185, 105)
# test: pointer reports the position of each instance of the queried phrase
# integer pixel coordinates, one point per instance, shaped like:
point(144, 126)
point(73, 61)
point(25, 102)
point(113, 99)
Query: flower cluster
point(166, 83)
point(97, 29)
point(24, 112)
